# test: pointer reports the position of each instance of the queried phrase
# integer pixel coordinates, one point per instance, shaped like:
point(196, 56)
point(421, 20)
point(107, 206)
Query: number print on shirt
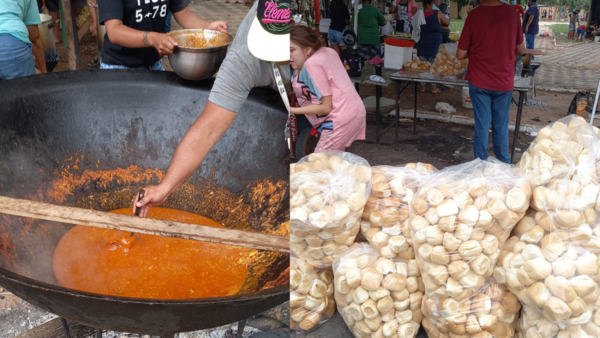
point(139, 16)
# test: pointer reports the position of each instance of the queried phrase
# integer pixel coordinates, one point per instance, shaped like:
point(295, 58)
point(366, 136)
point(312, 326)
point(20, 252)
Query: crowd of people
point(325, 93)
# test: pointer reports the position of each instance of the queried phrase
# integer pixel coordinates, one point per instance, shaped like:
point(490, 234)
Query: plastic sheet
point(328, 193)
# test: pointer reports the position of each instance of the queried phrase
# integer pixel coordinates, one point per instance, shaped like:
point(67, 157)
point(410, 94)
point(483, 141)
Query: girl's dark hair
point(305, 37)
point(443, 8)
point(427, 2)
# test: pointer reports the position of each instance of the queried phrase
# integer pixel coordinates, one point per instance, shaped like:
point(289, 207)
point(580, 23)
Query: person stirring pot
point(135, 31)
point(258, 57)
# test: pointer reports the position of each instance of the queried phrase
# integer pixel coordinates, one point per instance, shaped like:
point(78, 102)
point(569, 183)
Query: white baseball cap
point(269, 35)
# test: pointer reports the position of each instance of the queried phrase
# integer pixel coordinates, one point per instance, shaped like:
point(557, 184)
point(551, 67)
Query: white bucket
point(597, 38)
point(466, 99)
point(396, 57)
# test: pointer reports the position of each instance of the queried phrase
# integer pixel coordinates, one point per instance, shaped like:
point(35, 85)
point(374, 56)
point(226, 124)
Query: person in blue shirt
point(531, 24)
point(20, 43)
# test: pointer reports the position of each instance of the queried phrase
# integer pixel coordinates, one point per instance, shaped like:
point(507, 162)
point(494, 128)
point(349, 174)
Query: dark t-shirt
point(339, 15)
point(143, 15)
point(534, 26)
point(491, 61)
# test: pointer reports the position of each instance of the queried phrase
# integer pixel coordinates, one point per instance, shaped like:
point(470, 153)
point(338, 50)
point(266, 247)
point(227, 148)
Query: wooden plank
point(67, 25)
point(100, 219)
point(54, 329)
point(85, 27)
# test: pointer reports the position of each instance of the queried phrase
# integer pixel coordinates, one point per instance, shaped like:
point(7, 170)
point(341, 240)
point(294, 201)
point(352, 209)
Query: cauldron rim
point(33, 283)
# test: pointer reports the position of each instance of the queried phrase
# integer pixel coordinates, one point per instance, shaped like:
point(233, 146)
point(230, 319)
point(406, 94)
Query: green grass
point(457, 25)
point(564, 28)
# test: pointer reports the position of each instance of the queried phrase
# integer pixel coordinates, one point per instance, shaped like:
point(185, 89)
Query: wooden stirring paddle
point(101, 219)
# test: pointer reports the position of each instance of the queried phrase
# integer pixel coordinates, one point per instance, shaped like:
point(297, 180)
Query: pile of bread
point(417, 65)
point(384, 221)
point(328, 191)
point(311, 295)
point(459, 221)
point(377, 296)
point(552, 261)
point(446, 64)
point(480, 250)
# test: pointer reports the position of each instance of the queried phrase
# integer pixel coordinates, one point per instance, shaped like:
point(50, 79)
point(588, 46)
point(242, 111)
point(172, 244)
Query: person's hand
point(164, 44)
point(220, 26)
point(526, 29)
point(154, 197)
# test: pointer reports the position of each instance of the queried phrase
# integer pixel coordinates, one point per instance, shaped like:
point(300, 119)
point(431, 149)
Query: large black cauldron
point(55, 127)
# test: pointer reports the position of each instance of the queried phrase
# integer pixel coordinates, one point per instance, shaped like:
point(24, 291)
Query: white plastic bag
point(375, 295)
point(311, 296)
point(445, 108)
point(459, 221)
point(328, 191)
point(490, 312)
point(387, 29)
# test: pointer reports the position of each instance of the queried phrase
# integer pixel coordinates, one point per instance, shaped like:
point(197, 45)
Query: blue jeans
point(168, 22)
point(490, 107)
point(530, 41)
point(157, 66)
point(16, 58)
point(335, 37)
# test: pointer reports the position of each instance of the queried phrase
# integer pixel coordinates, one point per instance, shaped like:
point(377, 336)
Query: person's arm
point(37, 47)
point(462, 54)
point(381, 18)
point(125, 36)
point(189, 20)
point(520, 50)
point(529, 20)
point(443, 19)
point(314, 109)
point(190, 153)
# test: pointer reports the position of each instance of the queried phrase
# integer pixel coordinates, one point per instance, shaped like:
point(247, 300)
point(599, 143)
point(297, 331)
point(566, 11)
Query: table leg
point(398, 85)
point(415, 117)
point(377, 111)
point(517, 126)
point(76, 39)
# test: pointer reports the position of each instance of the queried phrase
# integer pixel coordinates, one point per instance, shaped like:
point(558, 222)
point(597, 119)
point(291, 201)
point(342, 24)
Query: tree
point(460, 4)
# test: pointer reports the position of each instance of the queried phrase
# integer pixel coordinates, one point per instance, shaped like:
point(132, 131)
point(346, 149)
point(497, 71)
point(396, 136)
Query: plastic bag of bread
point(532, 325)
point(328, 191)
point(491, 312)
point(567, 149)
point(459, 221)
point(311, 295)
point(553, 273)
point(385, 218)
point(375, 295)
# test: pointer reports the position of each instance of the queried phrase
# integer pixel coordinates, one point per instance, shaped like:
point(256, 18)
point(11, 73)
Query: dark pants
point(445, 35)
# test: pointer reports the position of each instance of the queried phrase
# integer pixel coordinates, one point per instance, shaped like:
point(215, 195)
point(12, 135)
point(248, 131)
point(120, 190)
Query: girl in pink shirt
point(324, 92)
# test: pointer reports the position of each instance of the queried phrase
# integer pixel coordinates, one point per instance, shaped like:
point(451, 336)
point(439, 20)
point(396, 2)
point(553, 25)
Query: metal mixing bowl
point(197, 63)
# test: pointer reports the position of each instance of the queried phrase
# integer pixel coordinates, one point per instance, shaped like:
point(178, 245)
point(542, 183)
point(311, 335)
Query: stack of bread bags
point(328, 192)
point(459, 222)
point(385, 218)
point(551, 261)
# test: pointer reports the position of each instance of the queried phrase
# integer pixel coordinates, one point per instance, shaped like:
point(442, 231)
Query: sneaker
point(94, 64)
